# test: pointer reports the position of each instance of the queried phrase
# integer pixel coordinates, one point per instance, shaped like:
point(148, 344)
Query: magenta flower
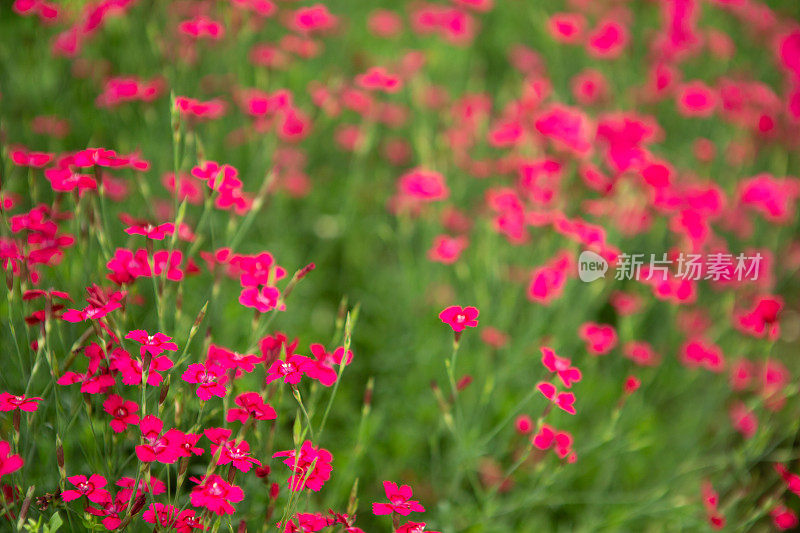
point(600, 338)
point(234, 452)
point(400, 501)
point(210, 380)
point(560, 441)
point(91, 487)
point(413, 527)
point(158, 446)
point(263, 300)
point(324, 367)
point(153, 344)
point(561, 366)
point(291, 369)
point(170, 517)
point(122, 411)
point(10, 402)
point(303, 477)
point(458, 318)
point(8, 463)
point(213, 493)
point(252, 405)
point(563, 400)
point(242, 362)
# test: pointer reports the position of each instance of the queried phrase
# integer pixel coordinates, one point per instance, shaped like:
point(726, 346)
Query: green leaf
point(55, 522)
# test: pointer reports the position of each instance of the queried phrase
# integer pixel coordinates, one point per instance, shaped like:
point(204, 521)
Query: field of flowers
point(372, 265)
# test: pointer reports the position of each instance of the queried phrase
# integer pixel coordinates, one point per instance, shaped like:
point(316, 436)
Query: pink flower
point(263, 300)
point(8, 463)
point(303, 477)
point(743, 420)
point(784, 518)
point(377, 78)
point(607, 39)
point(153, 344)
point(324, 367)
point(696, 99)
point(632, 384)
point(400, 501)
point(447, 249)
point(213, 493)
point(548, 437)
point(772, 197)
point(228, 360)
point(641, 353)
point(459, 318)
point(122, 411)
point(169, 262)
point(563, 400)
point(523, 424)
point(600, 338)
point(567, 127)
point(158, 446)
point(202, 27)
point(252, 405)
point(313, 19)
point(210, 380)
point(561, 365)
point(548, 281)
point(423, 185)
point(91, 487)
point(792, 481)
point(291, 369)
point(170, 517)
point(566, 27)
point(234, 452)
point(762, 320)
point(413, 527)
point(150, 231)
point(698, 353)
point(10, 402)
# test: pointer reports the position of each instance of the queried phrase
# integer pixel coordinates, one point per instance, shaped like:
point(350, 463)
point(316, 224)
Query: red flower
point(252, 406)
point(459, 318)
point(423, 185)
point(210, 379)
point(234, 452)
point(400, 501)
point(413, 527)
point(563, 400)
point(153, 344)
point(9, 402)
point(447, 249)
point(169, 517)
point(324, 367)
point(156, 233)
point(784, 518)
point(561, 365)
point(91, 487)
point(8, 463)
point(229, 360)
point(698, 353)
point(600, 338)
point(561, 441)
point(291, 369)
point(213, 493)
point(303, 477)
point(763, 319)
point(122, 411)
point(164, 448)
point(262, 300)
